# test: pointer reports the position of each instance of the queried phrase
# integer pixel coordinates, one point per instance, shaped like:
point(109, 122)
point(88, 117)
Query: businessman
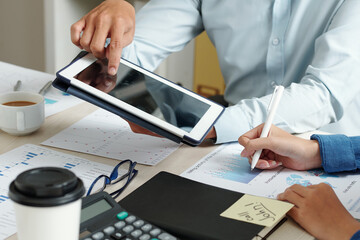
point(310, 47)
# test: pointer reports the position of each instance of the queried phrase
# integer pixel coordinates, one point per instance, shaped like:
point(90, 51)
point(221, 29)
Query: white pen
point(274, 102)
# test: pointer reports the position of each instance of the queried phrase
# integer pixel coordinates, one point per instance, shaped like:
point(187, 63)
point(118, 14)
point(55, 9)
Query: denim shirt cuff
point(337, 153)
point(356, 236)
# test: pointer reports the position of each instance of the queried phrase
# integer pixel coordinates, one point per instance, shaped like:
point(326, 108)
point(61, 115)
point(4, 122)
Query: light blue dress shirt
point(312, 47)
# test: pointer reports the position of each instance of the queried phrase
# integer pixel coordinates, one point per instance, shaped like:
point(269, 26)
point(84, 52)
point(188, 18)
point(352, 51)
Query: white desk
point(176, 163)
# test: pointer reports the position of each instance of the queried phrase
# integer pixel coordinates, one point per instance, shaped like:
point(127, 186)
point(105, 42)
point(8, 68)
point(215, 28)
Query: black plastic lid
point(45, 187)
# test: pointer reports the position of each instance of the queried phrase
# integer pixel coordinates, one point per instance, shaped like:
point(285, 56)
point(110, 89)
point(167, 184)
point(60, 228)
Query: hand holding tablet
point(141, 97)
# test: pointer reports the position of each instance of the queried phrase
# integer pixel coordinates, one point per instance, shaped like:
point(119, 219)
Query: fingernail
point(264, 165)
point(107, 83)
point(242, 153)
point(112, 71)
point(273, 163)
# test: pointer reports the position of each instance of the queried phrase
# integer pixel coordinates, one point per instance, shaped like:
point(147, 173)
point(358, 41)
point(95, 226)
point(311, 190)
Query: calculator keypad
point(129, 227)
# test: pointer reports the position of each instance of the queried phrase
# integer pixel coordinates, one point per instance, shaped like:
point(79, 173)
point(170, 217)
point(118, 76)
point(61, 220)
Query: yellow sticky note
point(257, 210)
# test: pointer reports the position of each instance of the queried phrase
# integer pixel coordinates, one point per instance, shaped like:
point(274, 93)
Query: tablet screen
point(146, 93)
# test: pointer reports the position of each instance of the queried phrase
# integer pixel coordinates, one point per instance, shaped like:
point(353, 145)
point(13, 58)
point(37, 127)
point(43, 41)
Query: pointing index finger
point(114, 49)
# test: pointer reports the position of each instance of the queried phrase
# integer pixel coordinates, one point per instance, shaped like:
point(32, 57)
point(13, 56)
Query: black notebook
point(188, 209)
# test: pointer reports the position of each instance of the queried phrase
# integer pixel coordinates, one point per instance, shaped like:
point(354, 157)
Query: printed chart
point(105, 134)
point(30, 156)
point(225, 168)
point(57, 101)
point(231, 165)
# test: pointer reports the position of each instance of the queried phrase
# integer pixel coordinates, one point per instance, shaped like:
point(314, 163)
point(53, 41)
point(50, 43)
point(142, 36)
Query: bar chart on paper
point(105, 134)
point(30, 156)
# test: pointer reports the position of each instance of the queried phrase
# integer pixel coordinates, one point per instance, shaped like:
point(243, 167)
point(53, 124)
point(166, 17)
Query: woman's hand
point(280, 148)
point(318, 210)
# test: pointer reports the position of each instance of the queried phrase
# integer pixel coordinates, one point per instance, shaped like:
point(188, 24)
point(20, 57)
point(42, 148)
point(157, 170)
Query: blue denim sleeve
point(339, 152)
point(356, 236)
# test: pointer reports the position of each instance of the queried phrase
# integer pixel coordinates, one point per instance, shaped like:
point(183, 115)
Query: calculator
point(102, 218)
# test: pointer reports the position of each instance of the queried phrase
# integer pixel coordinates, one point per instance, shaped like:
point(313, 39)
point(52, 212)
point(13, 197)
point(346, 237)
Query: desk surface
point(176, 163)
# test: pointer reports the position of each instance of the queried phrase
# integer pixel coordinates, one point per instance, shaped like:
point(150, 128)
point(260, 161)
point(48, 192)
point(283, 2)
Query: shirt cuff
point(336, 152)
point(128, 53)
point(356, 236)
point(229, 131)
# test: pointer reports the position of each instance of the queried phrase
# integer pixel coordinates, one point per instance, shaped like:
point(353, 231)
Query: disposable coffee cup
point(21, 113)
point(47, 204)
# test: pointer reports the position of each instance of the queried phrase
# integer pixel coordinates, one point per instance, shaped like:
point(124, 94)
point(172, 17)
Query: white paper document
point(32, 81)
point(225, 168)
point(105, 134)
point(30, 156)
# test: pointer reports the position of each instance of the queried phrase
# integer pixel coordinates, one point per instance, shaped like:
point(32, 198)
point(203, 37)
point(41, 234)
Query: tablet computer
point(141, 97)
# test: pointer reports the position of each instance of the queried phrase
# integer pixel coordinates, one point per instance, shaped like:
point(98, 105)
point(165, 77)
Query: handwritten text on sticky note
point(257, 210)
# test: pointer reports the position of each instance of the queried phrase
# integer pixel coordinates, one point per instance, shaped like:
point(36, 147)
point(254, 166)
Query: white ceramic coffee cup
point(47, 204)
point(21, 120)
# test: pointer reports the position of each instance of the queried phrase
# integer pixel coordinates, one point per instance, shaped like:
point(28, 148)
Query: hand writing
point(280, 148)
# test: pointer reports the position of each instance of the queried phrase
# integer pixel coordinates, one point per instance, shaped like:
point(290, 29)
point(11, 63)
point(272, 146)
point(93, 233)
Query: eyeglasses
point(124, 170)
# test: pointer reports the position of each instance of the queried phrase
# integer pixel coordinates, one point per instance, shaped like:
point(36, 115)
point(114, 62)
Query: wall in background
point(22, 33)
point(58, 18)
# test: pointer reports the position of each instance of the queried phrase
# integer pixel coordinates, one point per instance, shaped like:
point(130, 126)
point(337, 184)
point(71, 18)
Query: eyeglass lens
point(124, 171)
point(99, 184)
point(121, 171)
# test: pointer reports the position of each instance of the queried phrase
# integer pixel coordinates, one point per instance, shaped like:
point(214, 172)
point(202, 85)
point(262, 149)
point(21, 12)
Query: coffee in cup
point(18, 103)
point(21, 113)
point(47, 204)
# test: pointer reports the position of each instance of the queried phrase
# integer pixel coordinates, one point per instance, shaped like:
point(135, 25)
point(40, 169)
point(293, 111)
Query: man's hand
point(138, 129)
point(318, 210)
point(281, 148)
point(113, 19)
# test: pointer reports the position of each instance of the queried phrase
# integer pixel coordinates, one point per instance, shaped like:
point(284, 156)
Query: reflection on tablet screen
point(145, 93)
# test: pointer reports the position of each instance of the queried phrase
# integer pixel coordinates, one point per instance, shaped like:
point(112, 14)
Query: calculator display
point(94, 210)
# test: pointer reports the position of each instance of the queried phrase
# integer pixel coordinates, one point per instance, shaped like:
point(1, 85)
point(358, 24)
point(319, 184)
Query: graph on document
point(223, 167)
point(307, 178)
point(31, 156)
point(105, 134)
point(232, 166)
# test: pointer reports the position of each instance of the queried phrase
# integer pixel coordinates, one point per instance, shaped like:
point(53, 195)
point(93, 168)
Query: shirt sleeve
point(329, 85)
point(339, 152)
point(356, 236)
point(159, 32)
